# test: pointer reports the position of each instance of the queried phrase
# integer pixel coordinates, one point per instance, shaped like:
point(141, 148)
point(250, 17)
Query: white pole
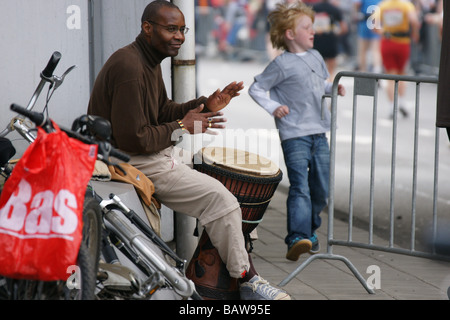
point(184, 89)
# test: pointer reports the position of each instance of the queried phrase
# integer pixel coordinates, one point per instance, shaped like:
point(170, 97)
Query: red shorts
point(395, 55)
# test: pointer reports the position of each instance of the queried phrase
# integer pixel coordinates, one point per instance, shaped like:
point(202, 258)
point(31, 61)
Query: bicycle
point(125, 230)
point(84, 288)
point(109, 221)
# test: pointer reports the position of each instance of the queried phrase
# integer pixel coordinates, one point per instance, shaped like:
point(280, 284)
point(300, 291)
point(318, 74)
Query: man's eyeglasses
point(172, 29)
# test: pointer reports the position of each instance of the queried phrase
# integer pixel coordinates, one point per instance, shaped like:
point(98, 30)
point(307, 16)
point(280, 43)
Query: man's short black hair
point(152, 9)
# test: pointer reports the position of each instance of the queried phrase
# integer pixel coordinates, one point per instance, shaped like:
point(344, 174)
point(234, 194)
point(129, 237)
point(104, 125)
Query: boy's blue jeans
point(308, 164)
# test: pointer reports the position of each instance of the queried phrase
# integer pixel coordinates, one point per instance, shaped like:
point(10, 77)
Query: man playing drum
point(129, 91)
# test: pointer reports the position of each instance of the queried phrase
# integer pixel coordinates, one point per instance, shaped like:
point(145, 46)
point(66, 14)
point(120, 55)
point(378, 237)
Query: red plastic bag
point(41, 208)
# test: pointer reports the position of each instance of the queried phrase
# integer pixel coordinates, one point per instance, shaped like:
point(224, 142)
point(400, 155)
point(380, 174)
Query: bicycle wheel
point(81, 283)
point(92, 229)
point(82, 286)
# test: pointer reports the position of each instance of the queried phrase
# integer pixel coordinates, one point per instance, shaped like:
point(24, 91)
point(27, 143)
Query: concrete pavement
point(400, 277)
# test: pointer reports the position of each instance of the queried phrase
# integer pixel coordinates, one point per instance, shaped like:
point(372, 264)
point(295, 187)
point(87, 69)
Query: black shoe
point(404, 112)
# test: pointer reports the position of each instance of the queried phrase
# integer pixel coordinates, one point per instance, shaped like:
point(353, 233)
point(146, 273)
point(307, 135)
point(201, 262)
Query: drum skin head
point(238, 160)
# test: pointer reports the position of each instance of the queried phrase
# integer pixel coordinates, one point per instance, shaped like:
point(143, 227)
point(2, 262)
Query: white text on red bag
point(28, 215)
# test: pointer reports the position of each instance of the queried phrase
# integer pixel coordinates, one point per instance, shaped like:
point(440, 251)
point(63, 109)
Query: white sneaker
point(259, 289)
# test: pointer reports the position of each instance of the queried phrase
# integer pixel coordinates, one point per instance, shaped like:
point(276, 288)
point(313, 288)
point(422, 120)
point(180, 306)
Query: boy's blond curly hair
point(283, 18)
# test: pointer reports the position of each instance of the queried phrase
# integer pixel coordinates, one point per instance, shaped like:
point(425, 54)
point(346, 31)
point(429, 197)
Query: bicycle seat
point(7, 151)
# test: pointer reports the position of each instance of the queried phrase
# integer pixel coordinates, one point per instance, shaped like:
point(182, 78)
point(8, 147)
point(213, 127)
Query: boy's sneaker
point(404, 111)
point(297, 247)
point(259, 289)
point(315, 248)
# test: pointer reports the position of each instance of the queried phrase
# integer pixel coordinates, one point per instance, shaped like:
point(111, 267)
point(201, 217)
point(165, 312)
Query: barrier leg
point(331, 257)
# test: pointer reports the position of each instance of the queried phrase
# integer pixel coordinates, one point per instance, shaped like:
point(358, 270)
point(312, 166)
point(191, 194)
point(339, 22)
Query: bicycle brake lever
point(59, 80)
point(120, 168)
point(109, 163)
point(104, 149)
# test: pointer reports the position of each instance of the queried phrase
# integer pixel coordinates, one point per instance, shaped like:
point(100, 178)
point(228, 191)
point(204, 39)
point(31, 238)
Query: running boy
point(296, 80)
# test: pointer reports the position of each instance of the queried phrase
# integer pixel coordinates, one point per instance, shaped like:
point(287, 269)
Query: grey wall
point(86, 32)
point(30, 32)
point(114, 24)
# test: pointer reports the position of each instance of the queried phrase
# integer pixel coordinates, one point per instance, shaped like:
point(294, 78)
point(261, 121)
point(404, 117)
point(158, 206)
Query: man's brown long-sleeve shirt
point(129, 92)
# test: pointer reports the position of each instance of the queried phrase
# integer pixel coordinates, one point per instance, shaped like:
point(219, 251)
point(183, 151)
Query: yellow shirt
point(394, 16)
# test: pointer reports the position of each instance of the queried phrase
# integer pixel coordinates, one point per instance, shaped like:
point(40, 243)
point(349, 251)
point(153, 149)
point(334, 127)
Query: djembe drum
point(252, 180)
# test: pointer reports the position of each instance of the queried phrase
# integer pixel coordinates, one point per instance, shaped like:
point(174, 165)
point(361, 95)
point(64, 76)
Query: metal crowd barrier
point(367, 84)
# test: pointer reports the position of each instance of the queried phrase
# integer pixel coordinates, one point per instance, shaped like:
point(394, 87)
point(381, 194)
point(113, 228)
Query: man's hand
point(220, 99)
point(197, 122)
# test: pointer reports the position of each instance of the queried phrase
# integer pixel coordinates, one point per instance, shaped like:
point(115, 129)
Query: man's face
point(159, 35)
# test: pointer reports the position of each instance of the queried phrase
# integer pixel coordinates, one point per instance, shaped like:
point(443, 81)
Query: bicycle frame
point(140, 244)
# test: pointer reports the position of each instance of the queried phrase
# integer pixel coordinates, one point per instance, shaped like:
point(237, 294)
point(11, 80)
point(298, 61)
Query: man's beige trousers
point(185, 190)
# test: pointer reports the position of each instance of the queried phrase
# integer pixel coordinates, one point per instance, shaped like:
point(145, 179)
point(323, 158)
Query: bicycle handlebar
point(46, 77)
point(51, 65)
point(38, 118)
point(119, 155)
point(99, 129)
point(105, 149)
